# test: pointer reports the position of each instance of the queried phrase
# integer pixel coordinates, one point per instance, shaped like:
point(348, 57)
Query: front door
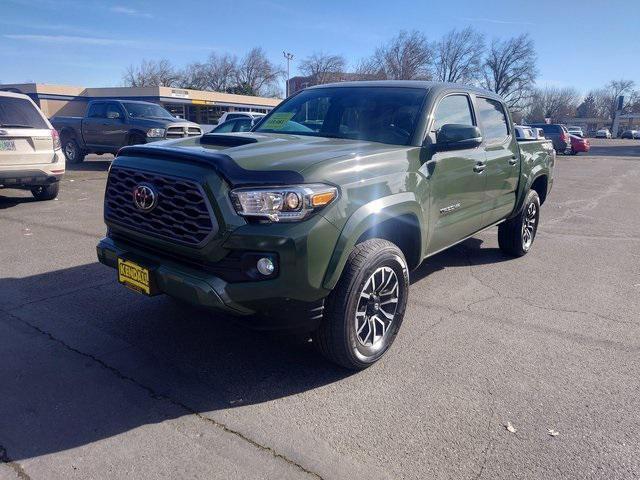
point(456, 180)
point(92, 123)
point(114, 128)
point(502, 157)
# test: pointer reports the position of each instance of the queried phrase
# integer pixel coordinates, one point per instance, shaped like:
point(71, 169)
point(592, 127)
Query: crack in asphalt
point(58, 295)
point(489, 434)
point(16, 467)
point(158, 396)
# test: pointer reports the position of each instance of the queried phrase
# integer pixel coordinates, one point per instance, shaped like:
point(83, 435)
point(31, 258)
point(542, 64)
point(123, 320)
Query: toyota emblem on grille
point(145, 197)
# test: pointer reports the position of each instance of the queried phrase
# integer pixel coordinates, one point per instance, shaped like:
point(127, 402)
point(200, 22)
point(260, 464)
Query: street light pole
point(289, 57)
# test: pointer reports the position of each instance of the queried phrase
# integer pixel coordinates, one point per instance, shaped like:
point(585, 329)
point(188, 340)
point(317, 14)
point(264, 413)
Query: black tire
point(573, 152)
point(337, 338)
point(512, 238)
point(72, 151)
point(46, 192)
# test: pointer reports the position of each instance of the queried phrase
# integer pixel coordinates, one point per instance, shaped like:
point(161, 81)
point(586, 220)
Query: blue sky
point(90, 43)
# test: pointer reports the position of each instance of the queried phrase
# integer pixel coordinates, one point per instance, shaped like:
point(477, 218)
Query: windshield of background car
point(18, 112)
point(143, 110)
point(375, 114)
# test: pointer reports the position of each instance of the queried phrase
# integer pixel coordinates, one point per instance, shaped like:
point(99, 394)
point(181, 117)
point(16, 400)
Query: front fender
point(363, 219)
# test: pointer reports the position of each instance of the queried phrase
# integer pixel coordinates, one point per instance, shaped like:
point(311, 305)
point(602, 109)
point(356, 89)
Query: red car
point(579, 144)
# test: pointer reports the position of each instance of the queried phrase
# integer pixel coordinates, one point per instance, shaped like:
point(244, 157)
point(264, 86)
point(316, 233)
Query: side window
point(226, 127)
point(113, 111)
point(452, 109)
point(493, 120)
point(97, 110)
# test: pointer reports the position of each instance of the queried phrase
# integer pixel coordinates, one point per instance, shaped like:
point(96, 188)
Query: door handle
point(479, 167)
point(513, 160)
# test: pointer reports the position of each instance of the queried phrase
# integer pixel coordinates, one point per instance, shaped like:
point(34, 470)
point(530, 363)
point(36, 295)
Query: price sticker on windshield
point(277, 120)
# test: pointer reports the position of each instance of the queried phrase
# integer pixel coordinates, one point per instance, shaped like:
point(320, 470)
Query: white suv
point(30, 154)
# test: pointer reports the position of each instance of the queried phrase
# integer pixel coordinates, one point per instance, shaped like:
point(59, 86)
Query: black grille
point(181, 214)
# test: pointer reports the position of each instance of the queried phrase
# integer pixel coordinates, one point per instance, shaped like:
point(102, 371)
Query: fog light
point(265, 266)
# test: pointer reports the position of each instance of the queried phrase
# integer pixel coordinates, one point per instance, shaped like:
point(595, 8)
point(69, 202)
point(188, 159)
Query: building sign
point(179, 93)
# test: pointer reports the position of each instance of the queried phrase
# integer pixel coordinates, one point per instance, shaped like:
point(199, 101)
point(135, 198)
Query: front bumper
point(294, 299)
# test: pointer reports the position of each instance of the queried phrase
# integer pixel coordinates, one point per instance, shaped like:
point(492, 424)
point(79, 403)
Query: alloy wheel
point(377, 307)
point(529, 225)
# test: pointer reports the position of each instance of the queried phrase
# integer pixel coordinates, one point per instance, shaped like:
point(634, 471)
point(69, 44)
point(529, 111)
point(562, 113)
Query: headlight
point(155, 132)
point(283, 204)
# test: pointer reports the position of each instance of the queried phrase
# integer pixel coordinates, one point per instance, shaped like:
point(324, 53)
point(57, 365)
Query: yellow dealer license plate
point(136, 277)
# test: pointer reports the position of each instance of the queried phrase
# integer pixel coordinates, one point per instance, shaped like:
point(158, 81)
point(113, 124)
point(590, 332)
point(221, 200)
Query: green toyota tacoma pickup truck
point(314, 218)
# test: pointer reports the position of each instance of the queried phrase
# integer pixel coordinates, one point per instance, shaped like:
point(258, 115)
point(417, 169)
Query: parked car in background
point(243, 124)
point(573, 130)
point(30, 153)
point(314, 219)
point(558, 134)
point(226, 116)
point(579, 144)
point(108, 125)
point(631, 134)
point(603, 133)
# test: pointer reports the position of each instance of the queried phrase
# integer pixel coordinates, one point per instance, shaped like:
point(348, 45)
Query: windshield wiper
point(15, 125)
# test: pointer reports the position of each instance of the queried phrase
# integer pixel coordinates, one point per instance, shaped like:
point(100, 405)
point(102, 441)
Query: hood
point(267, 151)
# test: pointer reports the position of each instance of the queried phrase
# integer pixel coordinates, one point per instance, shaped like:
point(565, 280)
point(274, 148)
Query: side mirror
point(113, 115)
point(453, 136)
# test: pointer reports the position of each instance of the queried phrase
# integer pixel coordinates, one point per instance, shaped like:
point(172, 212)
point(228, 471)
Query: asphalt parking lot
point(98, 382)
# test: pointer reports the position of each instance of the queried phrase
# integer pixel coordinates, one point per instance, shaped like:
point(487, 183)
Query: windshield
point(146, 110)
point(376, 114)
point(19, 113)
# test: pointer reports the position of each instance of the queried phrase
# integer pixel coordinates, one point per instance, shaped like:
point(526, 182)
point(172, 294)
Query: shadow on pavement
point(465, 253)
point(84, 359)
point(616, 148)
point(80, 364)
point(7, 201)
point(93, 165)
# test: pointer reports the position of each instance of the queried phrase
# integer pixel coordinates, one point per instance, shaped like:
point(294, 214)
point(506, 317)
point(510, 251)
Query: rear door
point(456, 179)
point(25, 136)
point(502, 157)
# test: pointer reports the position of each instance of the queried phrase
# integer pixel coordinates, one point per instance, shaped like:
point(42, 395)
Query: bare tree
point(151, 73)
point(194, 76)
point(221, 71)
point(459, 56)
point(605, 100)
point(510, 69)
point(323, 68)
point(588, 108)
point(408, 56)
point(554, 103)
point(256, 75)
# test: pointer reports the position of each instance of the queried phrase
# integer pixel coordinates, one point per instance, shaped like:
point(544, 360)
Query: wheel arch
point(396, 218)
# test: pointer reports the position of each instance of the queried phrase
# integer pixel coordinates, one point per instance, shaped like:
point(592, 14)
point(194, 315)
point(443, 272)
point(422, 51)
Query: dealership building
point(195, 105)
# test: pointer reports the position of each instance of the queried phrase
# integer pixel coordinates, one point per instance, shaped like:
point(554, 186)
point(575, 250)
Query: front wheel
point(516, 235)
point(365, 310)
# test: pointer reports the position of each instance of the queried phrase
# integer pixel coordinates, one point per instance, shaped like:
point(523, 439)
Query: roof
point(12, 94)
point(423, 84)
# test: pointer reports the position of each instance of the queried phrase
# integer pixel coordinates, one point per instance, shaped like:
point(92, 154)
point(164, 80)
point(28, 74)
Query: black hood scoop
point(226, 140)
